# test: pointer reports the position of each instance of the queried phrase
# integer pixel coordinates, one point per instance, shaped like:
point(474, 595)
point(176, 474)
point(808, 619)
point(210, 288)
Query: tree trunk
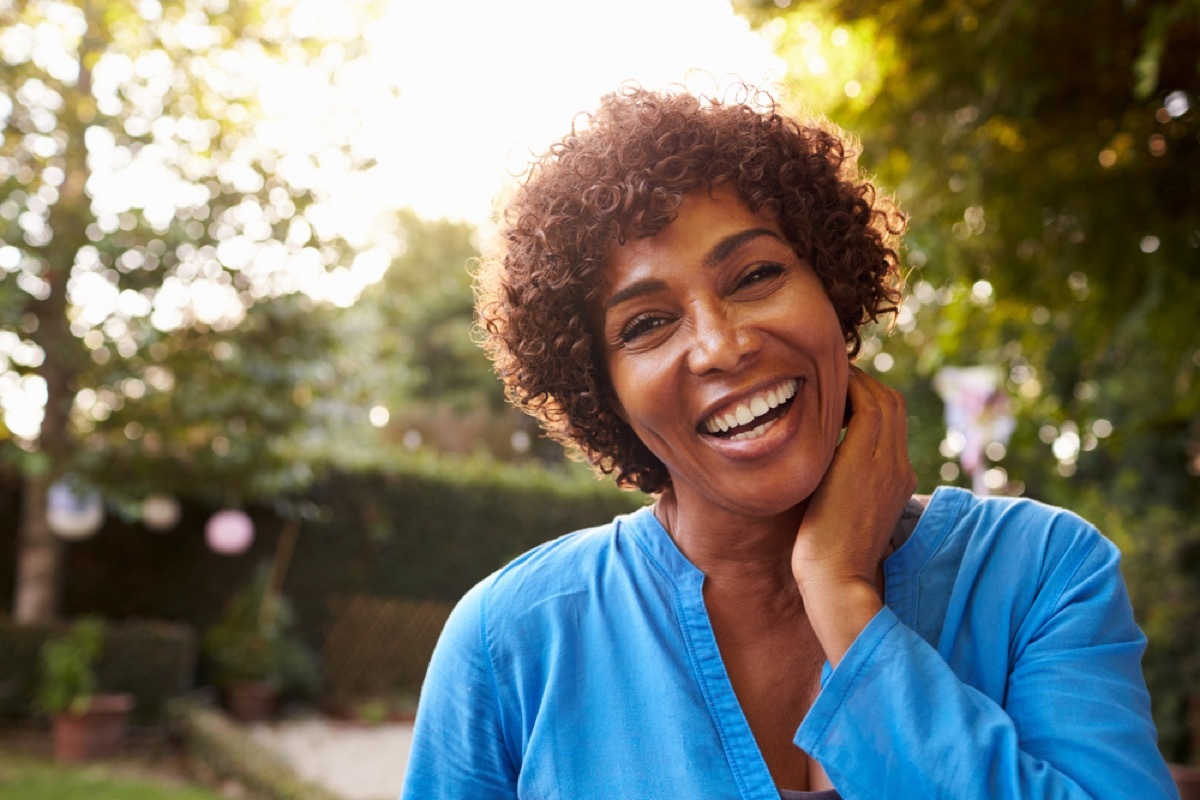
point(39, 558)
point(39, 553)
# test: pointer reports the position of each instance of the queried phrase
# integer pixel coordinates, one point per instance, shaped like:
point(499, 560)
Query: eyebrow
point(634, 290)
point(720, 251)
point(730, 244)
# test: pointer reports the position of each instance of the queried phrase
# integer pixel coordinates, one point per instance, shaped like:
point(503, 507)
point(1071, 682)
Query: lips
point(750, 417)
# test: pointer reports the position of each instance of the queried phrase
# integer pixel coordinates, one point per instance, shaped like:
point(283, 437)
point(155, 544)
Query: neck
point(740, 555)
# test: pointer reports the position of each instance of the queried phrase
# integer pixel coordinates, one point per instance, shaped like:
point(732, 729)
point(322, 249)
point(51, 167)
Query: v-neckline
point(745, 758)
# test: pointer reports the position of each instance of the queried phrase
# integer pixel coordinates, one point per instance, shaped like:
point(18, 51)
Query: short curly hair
point(622, 173)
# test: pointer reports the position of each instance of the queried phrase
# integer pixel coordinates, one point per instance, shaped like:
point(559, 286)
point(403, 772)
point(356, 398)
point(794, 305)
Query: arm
point(894, 720)
point(458, 747)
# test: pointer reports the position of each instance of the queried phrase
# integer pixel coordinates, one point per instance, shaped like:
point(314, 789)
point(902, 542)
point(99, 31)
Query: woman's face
point(725, 356)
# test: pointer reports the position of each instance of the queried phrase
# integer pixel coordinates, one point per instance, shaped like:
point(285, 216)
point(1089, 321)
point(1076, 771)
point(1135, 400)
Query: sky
point(480, 85)
point(449, 101)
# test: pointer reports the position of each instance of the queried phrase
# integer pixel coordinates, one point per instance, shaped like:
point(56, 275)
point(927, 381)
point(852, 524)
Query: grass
point(29, 777)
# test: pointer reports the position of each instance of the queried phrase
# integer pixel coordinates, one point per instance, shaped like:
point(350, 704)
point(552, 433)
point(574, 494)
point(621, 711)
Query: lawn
point(28, 777)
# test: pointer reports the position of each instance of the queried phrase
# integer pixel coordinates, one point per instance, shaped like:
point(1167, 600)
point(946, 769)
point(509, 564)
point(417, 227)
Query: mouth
point(753, 416)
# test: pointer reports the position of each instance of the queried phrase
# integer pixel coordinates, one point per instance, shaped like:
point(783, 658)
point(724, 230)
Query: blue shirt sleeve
point(458, 748)
point(894, 720)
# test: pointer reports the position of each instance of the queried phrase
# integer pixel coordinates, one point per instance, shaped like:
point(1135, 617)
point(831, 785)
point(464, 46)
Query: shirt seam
point(1070, 581)
point(491, 673)
point(1056, 605)
point(938, 543)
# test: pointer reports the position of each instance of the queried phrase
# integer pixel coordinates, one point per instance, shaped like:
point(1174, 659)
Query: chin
point(769, 499)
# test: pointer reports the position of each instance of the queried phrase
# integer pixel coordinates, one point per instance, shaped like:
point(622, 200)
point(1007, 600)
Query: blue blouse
point(1005, 664)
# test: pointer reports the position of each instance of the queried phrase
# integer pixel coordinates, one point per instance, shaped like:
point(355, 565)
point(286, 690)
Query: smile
point(750, 418)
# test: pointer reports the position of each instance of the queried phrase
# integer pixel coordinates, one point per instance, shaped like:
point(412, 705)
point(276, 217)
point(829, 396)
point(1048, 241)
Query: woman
point(677, 296)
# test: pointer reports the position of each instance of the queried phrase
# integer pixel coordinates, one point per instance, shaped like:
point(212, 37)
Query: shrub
point(153, 661)
point(68, 667)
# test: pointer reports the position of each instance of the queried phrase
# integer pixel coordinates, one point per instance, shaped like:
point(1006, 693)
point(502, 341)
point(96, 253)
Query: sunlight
point(480, 85)
point(442, 106)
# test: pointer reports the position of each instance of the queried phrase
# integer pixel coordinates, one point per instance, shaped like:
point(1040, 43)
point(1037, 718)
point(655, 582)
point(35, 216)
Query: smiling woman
point(623, 179)
point(684, 313)
point(676, 294)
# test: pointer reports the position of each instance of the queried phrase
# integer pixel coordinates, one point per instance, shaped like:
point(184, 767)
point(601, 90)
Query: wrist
point(838, 611)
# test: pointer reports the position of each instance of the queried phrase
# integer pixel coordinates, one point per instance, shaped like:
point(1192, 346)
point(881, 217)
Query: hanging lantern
point(229, 532)
point(977, 412)
point(160, 512)
point(72, 514)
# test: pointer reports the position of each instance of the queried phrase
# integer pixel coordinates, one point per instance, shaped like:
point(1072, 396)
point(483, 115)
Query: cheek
point(627, 393)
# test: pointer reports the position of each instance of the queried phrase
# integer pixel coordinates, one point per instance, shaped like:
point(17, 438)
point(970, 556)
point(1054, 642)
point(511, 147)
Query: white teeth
point(752, 434)
point(745, 413)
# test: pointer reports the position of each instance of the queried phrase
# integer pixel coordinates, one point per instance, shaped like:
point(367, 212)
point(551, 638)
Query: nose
point(720, 341)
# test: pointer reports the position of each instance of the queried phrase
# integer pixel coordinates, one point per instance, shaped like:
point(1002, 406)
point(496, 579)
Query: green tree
point(155, 242)
point(1046, 155)
point(421, 312)
point(409, 361)
point(1046, 159)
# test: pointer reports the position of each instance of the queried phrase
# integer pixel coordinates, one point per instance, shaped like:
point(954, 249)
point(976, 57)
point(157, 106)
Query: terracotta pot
point(1188, 781)
point(251, 701)
point(96, 732)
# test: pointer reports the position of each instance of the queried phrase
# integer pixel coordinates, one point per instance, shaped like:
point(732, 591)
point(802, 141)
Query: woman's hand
point(851, 516)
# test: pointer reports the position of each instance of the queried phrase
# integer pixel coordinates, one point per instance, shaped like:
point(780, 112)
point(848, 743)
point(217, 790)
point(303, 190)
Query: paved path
point(355, 761)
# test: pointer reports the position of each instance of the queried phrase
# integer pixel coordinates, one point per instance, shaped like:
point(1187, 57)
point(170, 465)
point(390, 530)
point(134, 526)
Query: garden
point(250, 454)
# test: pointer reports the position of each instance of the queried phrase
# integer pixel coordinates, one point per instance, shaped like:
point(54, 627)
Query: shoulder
point(1009, 523)
point(568, 562)
point(576, 564)
point(1021, 544)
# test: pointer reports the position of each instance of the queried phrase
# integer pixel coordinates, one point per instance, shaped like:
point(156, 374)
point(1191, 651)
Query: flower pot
point(250, 701)
point(96, 732)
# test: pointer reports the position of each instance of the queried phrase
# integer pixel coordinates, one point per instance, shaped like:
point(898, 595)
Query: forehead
point(705, 221)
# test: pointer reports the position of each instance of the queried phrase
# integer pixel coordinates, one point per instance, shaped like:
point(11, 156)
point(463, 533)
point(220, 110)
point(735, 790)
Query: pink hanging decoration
point(229, 532)
point(977, 408)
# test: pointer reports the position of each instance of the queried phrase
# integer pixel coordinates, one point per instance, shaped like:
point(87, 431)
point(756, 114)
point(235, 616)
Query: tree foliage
point(1046, 159)
point(1046, 155)
point(419, 316)
point(159, 238)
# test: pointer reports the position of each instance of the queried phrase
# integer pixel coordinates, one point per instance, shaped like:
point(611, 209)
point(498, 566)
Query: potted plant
point(86, 723)
point(254, 654)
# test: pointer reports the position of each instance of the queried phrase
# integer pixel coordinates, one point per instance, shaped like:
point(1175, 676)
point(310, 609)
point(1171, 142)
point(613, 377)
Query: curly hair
point(622, 173)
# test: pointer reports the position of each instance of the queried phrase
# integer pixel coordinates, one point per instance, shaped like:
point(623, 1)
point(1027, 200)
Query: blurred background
point(235, 239)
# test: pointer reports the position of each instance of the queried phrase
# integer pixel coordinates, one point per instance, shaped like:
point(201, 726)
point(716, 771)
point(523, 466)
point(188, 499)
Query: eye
point(640, 326)
point(760, 273)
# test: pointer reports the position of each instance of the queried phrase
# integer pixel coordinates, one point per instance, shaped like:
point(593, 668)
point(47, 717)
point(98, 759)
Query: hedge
point(425, 529)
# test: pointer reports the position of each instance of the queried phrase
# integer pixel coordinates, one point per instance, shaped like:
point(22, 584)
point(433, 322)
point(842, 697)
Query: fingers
point(878, 426)
point(878, 411)
point(850, 518)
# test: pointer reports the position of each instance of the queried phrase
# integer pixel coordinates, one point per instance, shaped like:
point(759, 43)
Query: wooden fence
point(379, 647)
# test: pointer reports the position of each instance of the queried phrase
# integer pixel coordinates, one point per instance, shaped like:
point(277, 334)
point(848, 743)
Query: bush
point(153, 661)
point(255, 641)
point(67, 678)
